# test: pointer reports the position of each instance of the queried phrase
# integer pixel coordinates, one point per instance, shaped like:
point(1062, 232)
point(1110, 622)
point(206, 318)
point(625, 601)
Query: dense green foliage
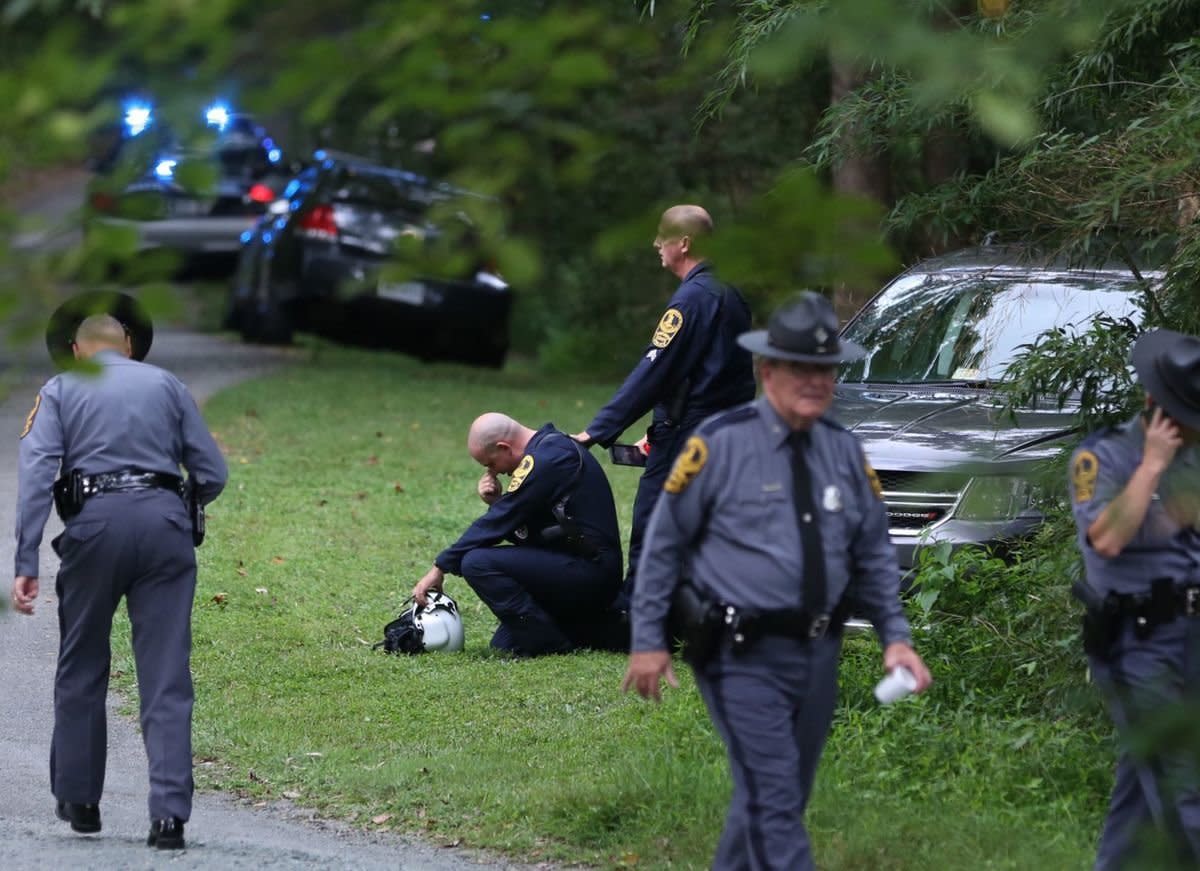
point(585, 121)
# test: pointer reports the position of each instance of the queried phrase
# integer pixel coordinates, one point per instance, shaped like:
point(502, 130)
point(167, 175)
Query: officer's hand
point(645, 669)
point(433, 580)
point(1162, 440)
point(24, 593)
point(488, 488)
point(899, 653)
point(583, 438)
point(643, 445)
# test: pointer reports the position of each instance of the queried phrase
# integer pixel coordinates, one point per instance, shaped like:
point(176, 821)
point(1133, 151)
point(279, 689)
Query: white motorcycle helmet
point(439, 623)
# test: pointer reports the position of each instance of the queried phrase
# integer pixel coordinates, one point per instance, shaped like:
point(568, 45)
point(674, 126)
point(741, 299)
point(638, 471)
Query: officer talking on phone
point(1135, 491)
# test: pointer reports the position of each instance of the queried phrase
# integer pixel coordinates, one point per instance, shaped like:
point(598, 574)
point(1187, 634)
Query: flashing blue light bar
point(137, 117)
point(217, 115)
point(164, 169)
point(274, 155)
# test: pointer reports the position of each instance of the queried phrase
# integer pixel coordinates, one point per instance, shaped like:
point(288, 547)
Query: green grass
point(349, 473)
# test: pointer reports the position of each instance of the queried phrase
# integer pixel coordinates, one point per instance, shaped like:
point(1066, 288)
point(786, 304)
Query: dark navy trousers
point(546, 601)
point(1144, 683)
point(773, 707)
point(664, 448)
point(138, 545)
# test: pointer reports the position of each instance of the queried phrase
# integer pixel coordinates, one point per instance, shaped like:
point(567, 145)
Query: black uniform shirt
point(696, 339)
point(553, 465)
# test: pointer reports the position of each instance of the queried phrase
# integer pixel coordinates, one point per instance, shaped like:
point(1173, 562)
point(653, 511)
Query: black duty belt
point(1165, 601)
point(129, 479)
point(74, 488)
point(746, 626)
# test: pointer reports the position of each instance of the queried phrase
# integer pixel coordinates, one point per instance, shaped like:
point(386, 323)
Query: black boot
point(84, 818)
point(166, 834)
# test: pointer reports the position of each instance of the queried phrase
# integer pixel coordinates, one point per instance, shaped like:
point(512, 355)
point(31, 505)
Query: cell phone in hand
point(627, 455)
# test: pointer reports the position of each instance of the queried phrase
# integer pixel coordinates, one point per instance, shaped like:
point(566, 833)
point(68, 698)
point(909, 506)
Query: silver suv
point(924, 401)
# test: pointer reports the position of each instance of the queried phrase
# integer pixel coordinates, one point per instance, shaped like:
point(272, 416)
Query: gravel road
point(224, 833)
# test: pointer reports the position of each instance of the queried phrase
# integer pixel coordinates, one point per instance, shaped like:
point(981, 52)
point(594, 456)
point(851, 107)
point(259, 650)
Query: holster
point(695, 621)
point(68, 495)
point(567, 535)
point(196, 511)
point(1101, 621)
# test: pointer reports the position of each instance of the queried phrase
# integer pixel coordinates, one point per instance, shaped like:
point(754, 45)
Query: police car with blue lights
point(372, 255)
point(192, 198)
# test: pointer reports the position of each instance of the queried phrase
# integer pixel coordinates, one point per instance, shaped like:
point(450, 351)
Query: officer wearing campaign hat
point(116, 433)
point(1135, 492)
point(772, 511)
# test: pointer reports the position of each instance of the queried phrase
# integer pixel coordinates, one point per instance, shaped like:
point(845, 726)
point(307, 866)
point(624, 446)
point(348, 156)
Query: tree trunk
point(864, 175)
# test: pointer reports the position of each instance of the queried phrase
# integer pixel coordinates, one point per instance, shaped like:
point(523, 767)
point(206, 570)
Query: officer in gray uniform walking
point(1135, 490)
point(772, 520)
point(116, 432)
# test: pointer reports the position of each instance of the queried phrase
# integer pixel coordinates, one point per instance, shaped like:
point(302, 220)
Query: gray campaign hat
point(1168, 366)
point(804, 329)
point(60, 331)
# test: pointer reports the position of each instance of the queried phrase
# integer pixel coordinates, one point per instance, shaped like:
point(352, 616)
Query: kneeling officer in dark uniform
point(1136, 495)
point(550, 590)
point(772, 513)
point(120, 434)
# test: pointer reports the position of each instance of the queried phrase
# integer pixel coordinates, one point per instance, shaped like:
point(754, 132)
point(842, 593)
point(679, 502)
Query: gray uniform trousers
point(773, 707)
point(1143, 683)
point(135, 544)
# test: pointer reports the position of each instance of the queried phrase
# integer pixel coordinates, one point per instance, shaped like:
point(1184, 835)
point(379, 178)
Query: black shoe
point(166, 834)
point(84, 818)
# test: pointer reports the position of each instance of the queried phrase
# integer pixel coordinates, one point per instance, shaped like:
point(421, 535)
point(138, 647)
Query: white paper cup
point(899, 683)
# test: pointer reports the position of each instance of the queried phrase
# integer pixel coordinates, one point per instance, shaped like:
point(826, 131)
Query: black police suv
point(194, 200)
point(924, 401)
point(346, 253)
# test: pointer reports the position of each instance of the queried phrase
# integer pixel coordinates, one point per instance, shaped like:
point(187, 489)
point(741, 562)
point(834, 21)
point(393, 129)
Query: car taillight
point(102, 202)
point(318, 223)
point(260, 193)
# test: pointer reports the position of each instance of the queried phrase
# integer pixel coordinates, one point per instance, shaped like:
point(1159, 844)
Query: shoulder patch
point(521, 473)
point(687, 465)
point(725, 418)
point(1084, 469)
point(873, 479)
point(37, 403)
point(668, 326)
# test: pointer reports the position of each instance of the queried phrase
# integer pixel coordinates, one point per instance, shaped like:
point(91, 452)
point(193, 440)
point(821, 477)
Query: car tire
point(268, 326)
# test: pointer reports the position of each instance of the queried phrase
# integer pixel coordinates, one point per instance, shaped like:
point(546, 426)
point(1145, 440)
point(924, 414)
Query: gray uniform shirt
point(727, 518)
point(129, 415)
point(1167, 545)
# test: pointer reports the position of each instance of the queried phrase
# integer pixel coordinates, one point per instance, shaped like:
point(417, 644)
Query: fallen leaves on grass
point(381, 819)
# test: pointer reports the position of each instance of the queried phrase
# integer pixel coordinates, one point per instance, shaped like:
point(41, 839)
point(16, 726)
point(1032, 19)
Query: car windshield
point(969, 327)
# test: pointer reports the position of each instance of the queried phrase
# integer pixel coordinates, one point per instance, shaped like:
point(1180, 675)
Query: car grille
point(917, 499)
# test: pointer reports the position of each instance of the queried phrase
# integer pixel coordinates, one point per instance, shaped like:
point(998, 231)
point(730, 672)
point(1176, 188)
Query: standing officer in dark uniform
point(117, 433)
point(551, 590)
point(1136, 496)
point(772, 514)
point(691, 368)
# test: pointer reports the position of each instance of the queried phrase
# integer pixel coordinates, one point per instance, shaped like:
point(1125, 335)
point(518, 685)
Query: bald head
point(686, 220)
point(101, 333)
point(498, 442)
point(490, 428)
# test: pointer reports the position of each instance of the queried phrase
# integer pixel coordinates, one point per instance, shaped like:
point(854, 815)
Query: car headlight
point(994, 497)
